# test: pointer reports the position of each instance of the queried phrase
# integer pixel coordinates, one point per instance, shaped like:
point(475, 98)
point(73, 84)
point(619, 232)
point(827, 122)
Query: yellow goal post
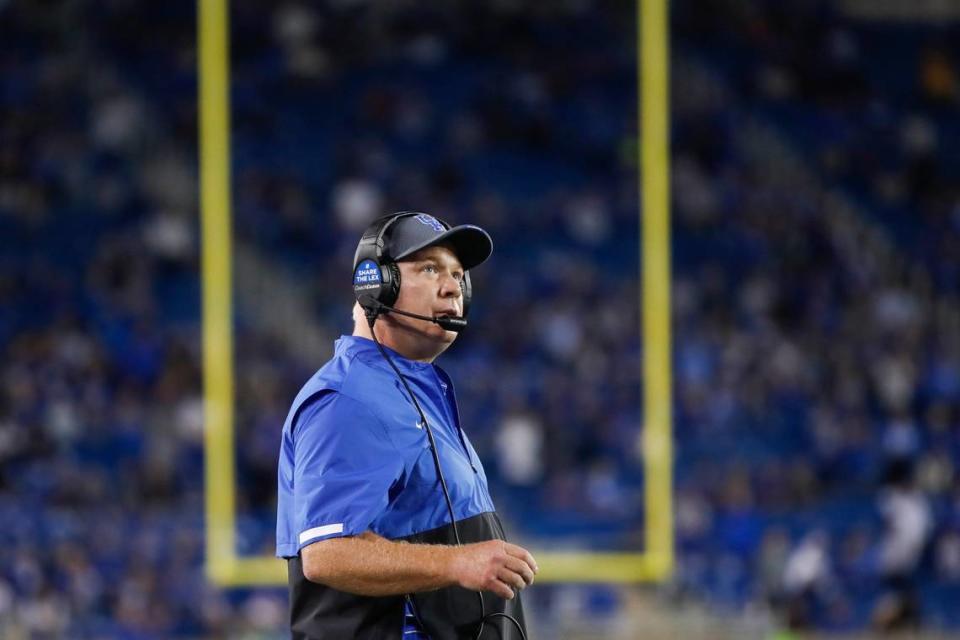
point(224, 566)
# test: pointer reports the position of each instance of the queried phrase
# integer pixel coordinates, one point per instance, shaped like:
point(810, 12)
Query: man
point(378, 484)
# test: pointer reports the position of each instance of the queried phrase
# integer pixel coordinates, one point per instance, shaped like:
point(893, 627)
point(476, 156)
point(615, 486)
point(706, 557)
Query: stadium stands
point(816, 222)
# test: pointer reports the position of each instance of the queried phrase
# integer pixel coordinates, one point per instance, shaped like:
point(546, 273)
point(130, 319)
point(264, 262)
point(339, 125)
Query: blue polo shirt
point(354, 456)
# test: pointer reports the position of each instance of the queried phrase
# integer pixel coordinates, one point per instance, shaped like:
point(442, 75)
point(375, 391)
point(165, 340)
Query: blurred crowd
point(816, 222)
point(820, 354)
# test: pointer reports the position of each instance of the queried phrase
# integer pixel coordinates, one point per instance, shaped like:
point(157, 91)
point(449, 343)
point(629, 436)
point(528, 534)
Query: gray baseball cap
point(417, 231)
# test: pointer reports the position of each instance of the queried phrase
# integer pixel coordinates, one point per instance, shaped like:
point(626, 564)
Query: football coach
point(384, 514)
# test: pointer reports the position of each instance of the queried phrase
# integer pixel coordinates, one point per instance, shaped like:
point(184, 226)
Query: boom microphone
point(448, 323)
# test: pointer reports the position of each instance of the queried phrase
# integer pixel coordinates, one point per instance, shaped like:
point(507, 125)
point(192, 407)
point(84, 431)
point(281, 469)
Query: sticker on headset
point(367, 276)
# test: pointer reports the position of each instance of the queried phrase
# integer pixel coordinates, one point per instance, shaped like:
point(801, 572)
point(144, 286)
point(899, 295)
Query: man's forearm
point(373, 566)
point(369, 565)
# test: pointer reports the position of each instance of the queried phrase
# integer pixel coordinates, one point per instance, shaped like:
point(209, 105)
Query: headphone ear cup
point(368, 284)
point(376, 279)
point(390, 289)
point(466, 288)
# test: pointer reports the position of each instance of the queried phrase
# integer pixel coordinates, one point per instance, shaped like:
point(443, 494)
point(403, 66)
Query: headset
point(376, 286)
point(376, 276)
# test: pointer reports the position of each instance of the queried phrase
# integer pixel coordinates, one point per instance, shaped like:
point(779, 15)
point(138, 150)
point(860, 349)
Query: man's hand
point(495, 565)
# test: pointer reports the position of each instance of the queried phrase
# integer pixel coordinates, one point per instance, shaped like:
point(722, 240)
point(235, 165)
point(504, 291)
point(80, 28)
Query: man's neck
point(393, 338)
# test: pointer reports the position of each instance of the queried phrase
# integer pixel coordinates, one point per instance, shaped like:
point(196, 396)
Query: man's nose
point(450, 286)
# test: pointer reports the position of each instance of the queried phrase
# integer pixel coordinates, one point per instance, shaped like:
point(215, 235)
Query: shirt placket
point(449, 399)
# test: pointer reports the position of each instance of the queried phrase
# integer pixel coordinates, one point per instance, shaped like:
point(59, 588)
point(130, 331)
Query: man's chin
point(444, 336)
point(435, 342)
point(429, 331)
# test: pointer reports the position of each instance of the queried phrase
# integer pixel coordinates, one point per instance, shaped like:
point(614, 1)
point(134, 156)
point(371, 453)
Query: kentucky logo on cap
point(430, 221)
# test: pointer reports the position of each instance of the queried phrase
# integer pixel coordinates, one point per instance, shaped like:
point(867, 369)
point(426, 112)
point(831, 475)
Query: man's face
point(430, 285)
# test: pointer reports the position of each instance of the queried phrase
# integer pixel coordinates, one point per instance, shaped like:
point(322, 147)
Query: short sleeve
point(344, 467)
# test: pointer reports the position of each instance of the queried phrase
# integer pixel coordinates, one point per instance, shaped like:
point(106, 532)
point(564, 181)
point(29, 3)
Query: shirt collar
point(366, 350)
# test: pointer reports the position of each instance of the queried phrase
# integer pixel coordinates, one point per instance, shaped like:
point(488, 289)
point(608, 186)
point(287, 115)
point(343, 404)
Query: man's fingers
point(519, 566)
point(513, 568)
point(502, 589)
point(523, 554)
point(510, 578)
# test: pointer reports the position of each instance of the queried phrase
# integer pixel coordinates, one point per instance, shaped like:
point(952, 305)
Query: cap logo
point(430, 221)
